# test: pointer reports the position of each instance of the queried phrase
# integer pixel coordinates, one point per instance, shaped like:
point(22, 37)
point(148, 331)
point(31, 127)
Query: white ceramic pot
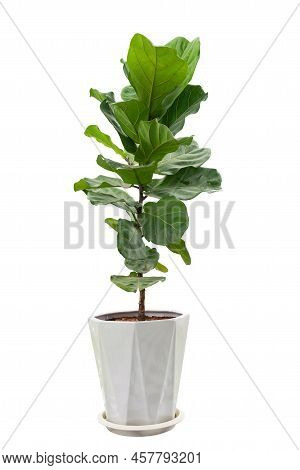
point(139, 365)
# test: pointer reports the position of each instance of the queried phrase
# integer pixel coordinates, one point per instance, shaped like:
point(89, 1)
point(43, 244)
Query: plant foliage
point(152, 158)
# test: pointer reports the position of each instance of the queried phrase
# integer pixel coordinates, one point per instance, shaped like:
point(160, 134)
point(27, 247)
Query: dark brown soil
point(137, 319)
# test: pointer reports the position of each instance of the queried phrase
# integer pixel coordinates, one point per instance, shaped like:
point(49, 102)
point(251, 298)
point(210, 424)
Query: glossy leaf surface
point(186, 183)
point(165, 222)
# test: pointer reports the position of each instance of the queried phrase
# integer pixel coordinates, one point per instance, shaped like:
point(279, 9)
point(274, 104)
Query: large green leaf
point(165, 222)
point(155, 73)
point(129, 114)
point(94, 131)
point(132, 284)
point(128, 93)
point(189, 51)
point(186, 184)
point(115, 196)
point(188, 102)
point(99, 182)
point(186, 155)
point(129, 173)
point(156, 142)
point(180, 249)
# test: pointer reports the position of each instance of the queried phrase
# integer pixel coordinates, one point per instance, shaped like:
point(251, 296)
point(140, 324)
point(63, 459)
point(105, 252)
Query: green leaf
point(109, 165)
point(144, 265)
point(141, 175)
point(187, 183)
point(180, 249)
point(98, 95)
point(156, 142)
point(99, 182)
point(165, 222)
point(154, 72)
point(132, 284)
point(161, 267)
point(125, 69)
point(113, 223)
point(94, 131)
point(188, 102)
point(190, 155)
point(106, 99)
point(130, 241)
point(138, 256)
point(129, 114)
point(130, 174)
point(116, 197)
point(128, 93)
point(106, 108)
point(187, 51)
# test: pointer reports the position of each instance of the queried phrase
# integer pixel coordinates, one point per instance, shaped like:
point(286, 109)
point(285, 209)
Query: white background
point(252, 291)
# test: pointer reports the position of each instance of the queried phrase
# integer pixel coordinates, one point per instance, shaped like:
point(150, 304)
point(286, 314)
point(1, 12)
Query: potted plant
point(139, 354)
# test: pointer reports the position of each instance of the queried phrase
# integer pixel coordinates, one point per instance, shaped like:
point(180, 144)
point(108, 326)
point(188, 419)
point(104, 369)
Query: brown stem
point(142, 292)
point(142, 302)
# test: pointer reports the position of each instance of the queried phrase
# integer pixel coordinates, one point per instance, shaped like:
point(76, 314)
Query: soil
point(137, 319)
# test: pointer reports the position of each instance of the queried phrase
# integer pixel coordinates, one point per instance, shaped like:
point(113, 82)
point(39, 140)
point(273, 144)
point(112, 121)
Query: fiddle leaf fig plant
point(151, 158)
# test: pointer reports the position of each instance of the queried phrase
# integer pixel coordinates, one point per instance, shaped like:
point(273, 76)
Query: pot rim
point(107, 316)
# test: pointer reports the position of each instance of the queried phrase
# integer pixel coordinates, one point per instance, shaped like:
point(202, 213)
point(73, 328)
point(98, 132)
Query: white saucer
point(143, 430)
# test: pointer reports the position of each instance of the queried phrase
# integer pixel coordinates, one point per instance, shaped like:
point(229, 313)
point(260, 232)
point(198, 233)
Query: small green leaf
point(186, 155)
point(187, 183)
point(154, 72)
point(99, 182)
point(125, 69)
point(188, 102)
point(156, 142)
point(128, 93)
point(129, 114)
point(165, 222)
point(106, 100)
point(113, 223)
point(109, 165)
point(98, 95)
point(94, 131)
point(106, 108)
point(180, 249)
point(161, 267)
point(132, 284)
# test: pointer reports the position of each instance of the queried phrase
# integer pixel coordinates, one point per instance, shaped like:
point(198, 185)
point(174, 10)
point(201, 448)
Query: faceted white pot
point(139, 365)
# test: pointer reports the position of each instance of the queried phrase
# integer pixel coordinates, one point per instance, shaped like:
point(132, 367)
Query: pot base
point(142, 430)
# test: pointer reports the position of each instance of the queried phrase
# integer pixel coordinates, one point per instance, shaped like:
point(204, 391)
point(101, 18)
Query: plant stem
point(142, 292)
point(142, 302)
